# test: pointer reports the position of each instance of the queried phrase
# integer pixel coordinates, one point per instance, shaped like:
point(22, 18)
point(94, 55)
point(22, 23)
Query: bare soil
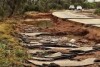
point(82, 33)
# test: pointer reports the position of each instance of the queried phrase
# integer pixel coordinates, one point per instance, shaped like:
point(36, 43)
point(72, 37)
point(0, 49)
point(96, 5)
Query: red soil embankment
point(77, 29)
point(68, 27)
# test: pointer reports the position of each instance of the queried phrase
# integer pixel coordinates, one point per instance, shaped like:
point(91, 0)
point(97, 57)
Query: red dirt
point(77, 29)
point(37, 15)
point(70, 28)
point(67, 27)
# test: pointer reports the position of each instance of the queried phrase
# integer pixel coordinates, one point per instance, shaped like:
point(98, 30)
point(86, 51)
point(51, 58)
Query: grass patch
point(11, 53)
point(5, 28)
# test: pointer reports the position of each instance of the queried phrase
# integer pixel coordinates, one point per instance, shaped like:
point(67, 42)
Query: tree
point(10, 7)
point(43, 5)
point(15, 5)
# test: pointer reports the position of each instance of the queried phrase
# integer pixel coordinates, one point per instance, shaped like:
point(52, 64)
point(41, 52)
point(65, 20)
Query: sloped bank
point(78, 29)
point(64, 26)
point(11, 52)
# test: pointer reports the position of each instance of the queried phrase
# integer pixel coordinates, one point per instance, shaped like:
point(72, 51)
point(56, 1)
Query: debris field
point(64, 44)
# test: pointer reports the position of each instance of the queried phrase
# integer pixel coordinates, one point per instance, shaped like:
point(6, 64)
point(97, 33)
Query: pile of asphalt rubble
point(55, 51)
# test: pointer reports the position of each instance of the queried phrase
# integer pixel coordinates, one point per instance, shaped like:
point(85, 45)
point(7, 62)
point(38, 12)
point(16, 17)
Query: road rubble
point(64, 44)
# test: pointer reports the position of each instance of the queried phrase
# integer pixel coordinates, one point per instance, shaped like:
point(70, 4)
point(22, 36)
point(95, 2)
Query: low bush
point(55, 6)
point(31, 8)
point(88, 5)
point(1, 13)
point(97, 11)
point(98, 5)
point(66, 5)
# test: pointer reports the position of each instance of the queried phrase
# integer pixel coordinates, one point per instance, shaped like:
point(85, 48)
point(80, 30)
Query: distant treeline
point(13, 7)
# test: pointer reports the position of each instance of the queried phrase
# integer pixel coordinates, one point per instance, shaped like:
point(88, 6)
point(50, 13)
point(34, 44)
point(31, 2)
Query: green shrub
point(1, 13)
point(31, 8)
point(98, 5)
point(88, 5)
point(55, 6)
point(66, 5)
point(76, 4)
point(9, 57)
point(97, 11)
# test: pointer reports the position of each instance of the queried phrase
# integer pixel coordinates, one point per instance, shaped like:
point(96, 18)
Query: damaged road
point(64, 44)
